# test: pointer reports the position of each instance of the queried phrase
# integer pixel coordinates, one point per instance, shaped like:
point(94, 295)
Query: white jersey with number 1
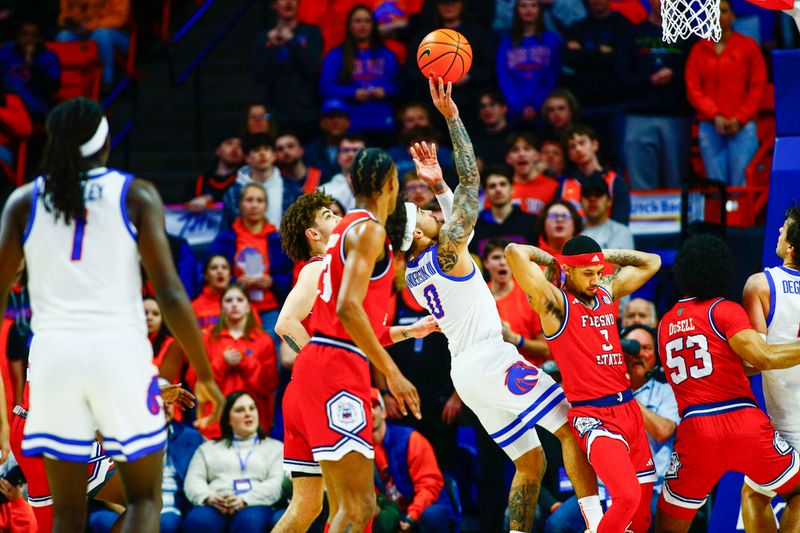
point(782, 386)
point(91, 364)
point(85, 275)
point(509, 395)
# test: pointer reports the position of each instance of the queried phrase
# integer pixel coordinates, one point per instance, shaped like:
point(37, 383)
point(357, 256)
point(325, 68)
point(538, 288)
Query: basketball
point(446, 54)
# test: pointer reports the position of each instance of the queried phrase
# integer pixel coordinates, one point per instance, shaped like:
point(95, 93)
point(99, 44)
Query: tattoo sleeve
point(458, 227)
point(624, 258)
point(291, 342)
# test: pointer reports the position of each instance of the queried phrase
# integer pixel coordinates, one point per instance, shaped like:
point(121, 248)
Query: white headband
point(98, 140)
point(411, 225)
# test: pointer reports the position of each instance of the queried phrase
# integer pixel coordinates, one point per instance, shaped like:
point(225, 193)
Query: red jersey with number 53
point(693, 345)
point(324, 320)
point(587, 349)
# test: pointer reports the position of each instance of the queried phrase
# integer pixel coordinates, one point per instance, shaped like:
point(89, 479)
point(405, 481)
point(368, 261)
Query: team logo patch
point(154, 401)
point(521, 378)
point(346, 413)
point(674, 466)
point(606, 300)
point(584, 424)
point(783, 447)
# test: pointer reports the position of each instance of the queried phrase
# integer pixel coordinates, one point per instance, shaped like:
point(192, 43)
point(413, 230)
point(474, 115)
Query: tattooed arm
point(453, 255)
point(635, 268)
point(295, 309)
point(545, 298)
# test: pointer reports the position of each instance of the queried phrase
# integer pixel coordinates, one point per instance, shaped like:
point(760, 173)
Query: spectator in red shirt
point(14, 124)
point(157, 331)
point(252, 246)
point(521, 325)
point(532, 189)
point(560, 222)
point(217, 275)
point(242, 356)
point(725, 82)
point(408, 474)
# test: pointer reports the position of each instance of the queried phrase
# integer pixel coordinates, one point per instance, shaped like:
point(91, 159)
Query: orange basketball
point(446, 54)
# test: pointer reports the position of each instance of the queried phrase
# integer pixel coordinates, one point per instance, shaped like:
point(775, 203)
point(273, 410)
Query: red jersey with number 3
point(700, 365)
point(324, 320)
point(587, 348)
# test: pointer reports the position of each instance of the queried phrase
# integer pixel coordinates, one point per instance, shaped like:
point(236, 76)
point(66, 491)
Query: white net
point(682, 18)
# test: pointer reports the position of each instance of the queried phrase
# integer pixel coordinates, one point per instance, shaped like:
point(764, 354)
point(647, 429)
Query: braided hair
point(68, 126)
point(371, 168)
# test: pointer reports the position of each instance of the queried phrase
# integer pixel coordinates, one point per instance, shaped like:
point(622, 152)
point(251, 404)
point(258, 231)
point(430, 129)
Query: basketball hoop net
point(682, 18)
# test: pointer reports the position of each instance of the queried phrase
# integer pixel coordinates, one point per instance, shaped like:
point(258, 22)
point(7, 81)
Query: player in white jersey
point(772, 301)
point(81, 228)
point(509, 395)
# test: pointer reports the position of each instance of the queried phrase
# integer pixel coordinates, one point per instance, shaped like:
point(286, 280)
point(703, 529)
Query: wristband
point(521, 341)
point(446, 203)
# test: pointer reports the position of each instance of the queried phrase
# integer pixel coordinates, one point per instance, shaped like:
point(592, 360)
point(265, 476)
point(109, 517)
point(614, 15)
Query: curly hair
point(704, 267)
point(69, 125)
point(371, 168)
point(300, 216)
point(396, 226)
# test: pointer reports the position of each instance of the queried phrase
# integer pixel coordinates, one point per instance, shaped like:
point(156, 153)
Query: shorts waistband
point(348, 345)
point(706, 409)
point(607, 401)
point(20, 411)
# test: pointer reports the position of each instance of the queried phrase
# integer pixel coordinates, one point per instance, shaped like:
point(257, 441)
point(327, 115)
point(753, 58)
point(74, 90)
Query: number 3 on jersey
point(704, 366)
point(432, 299)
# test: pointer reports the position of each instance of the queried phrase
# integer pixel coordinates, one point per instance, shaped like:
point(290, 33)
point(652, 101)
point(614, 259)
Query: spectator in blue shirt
point(364, 74)
point(30, 70)
point(660, 414)
point(528, 62)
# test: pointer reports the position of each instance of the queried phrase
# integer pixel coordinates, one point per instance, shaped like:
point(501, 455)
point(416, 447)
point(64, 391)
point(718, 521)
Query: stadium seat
point(80, 69)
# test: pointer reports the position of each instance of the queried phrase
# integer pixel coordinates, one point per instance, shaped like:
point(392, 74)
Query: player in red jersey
point(703, 342)
point(327, 429)
point(579, 323)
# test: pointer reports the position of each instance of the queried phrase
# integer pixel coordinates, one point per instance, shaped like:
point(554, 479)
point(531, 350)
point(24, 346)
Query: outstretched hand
point(427, 165)
point(443, 97)
point(177, 395)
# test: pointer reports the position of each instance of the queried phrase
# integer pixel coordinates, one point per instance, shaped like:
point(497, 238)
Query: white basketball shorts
point(83, 381)
point(509, 395)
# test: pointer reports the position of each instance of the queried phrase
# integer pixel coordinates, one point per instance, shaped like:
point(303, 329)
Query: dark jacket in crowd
point(36, 83)
point(290, 72)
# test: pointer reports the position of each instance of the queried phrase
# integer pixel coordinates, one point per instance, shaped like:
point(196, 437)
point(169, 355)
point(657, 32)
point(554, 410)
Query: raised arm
point(751, 346)
point(147, 212)
point(364, 245)
point(545, 298)
point(453, 255)
point(426, 163)
point(635, 269)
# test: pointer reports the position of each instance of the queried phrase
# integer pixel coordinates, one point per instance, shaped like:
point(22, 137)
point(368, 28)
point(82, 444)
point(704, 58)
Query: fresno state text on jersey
point(587, 348)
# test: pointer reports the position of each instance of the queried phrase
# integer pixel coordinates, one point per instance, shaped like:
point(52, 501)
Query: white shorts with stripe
point(83, 381)
point(509, 395)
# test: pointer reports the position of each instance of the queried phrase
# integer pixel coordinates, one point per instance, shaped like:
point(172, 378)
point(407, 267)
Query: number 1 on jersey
point(77, 239)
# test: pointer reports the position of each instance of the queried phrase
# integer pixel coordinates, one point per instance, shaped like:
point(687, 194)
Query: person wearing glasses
point(560, 222)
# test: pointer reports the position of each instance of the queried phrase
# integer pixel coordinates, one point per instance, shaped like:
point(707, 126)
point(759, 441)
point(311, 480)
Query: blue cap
point(334, 106)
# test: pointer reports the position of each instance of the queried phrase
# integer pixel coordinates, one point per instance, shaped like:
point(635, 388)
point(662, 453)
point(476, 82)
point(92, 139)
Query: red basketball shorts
point(708, 445)
point(622, 422)
point(326, 408)
point(101, 467)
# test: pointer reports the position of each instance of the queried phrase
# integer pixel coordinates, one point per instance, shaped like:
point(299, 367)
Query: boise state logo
point(154, 401)
point(521, 378)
